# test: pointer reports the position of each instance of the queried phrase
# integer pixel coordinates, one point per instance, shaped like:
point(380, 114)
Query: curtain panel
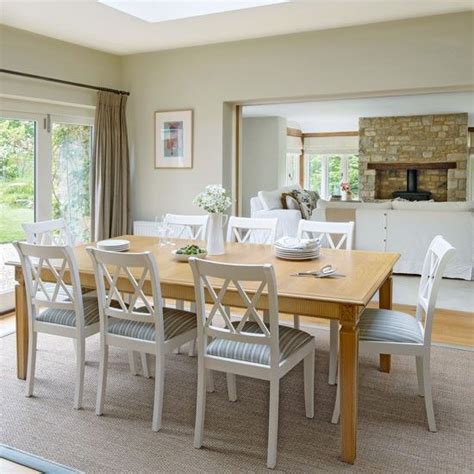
point(110, 169)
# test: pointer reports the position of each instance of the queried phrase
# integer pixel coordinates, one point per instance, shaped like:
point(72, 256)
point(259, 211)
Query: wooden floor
point(450, 327)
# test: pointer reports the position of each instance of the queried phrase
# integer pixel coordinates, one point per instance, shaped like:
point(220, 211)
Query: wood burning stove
point(412, 193)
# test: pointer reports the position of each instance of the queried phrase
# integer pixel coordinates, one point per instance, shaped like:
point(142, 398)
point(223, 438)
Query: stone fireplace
point(430, 149)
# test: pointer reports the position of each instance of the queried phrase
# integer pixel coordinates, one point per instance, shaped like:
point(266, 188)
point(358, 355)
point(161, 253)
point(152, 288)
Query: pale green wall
point(418, 54)
point(35, 54)
point(263, 156)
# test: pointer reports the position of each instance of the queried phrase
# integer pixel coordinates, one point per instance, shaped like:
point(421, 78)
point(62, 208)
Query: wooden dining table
point(341, 298)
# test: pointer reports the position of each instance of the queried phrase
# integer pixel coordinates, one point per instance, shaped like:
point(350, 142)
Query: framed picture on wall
point(174, 139)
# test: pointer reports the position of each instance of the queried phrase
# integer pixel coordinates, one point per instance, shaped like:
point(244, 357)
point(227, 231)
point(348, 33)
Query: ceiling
point(95, 25)
point(343, 115)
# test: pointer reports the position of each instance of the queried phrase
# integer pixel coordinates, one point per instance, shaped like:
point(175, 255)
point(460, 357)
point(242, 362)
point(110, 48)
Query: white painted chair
point(248, 347)
point(192, 228)
point(56, 232)
point(187, 227)
point(335, 235)
point(53, 232)
point(251, 230)
point(137, 325)
point(383, 331)
point(66, 312)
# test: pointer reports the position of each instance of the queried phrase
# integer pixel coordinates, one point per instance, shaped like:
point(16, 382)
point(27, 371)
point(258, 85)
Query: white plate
point(286, 257)
point(184, 258)
point(114, 245)
point(285, 252)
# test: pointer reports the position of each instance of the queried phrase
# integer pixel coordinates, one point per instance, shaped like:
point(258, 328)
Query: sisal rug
point(392, 437)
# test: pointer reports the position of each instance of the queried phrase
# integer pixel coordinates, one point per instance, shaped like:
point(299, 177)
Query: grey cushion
point(390, 326)
point(290, 340)
point(67, 317)
point(175, 322)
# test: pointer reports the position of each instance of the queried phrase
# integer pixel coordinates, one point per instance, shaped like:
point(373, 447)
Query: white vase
point(215, 234)
point(344, 196)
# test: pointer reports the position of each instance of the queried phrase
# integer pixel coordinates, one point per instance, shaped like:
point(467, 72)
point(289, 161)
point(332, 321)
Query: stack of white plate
point(297, 249)
point(114, 245)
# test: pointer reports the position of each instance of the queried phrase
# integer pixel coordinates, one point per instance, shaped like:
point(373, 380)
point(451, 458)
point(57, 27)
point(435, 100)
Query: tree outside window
point(324, 173)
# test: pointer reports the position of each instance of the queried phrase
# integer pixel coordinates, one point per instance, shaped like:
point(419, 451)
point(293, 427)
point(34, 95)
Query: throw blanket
point(305, 200)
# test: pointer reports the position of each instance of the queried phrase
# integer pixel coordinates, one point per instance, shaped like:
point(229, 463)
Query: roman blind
point(331, 145)
point(294, 144)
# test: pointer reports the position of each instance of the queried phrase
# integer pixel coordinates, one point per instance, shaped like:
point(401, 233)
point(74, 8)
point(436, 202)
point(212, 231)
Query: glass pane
point(17, 188)
point(314, 171)
point(334, 175)
point(71, 154)
point(353, 174)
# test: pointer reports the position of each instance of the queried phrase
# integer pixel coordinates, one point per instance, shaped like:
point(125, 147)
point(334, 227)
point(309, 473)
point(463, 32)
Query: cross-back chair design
point(187, 227)
point(326, 232)
point(136, 325)
point(53, 232)
point(56, 308)
point(192, 228)
point(251, 230)
point(383, 331)
point(249, 347)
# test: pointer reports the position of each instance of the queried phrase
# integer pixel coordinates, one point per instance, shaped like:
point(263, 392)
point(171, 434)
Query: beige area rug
point(393, 435)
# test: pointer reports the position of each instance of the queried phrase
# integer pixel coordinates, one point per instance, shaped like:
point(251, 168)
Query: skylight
point(155, 11)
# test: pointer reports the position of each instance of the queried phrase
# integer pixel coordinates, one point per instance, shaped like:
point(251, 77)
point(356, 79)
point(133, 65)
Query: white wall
point(403, 56)
point(262, 157)
point(27, 52)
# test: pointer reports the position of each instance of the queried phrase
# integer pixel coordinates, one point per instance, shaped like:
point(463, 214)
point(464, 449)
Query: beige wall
point(35, 54)
point(263, 156)
point(419, 54)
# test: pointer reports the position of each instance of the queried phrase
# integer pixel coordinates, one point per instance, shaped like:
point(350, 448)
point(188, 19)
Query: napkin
point(293, 243)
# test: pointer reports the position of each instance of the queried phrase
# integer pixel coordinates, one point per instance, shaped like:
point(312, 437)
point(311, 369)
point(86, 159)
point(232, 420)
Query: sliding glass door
point(44, 174)
point(70, 173)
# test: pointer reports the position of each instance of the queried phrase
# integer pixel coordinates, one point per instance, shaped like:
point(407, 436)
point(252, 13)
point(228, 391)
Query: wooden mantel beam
point(433, 165)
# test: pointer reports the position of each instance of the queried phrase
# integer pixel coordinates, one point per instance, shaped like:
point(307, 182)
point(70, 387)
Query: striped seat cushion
point(175, 322)
point(290, 340)
point(67, 317)
point(390, 326)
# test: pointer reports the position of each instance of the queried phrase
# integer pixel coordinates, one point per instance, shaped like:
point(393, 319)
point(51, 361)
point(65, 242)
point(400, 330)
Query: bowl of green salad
point(183, 254)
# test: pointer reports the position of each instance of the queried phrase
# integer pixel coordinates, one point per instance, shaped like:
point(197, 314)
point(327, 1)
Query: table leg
point(385, 302)
point(21, 312)
point(349, 355)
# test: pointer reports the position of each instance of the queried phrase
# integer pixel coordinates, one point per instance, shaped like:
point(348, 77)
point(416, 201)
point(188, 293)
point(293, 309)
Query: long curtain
point(110, 173)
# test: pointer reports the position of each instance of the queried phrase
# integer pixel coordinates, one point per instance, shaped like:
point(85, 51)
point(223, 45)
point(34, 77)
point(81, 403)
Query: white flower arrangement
point(213, 199)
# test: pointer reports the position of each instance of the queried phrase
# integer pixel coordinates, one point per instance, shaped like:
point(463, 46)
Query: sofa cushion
point(272, 199)
point(433, 206)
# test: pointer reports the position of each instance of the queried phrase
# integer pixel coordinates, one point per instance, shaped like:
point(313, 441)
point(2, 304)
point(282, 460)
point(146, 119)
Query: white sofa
point(396, 226)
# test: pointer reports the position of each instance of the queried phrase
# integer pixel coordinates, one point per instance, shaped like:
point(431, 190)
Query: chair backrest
point(335, 235)
point(54, 232)
point(55, 262)
point(216, 279)
point(187, 227)
point(437, 257)
point(251, 230)
point(117, 273)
